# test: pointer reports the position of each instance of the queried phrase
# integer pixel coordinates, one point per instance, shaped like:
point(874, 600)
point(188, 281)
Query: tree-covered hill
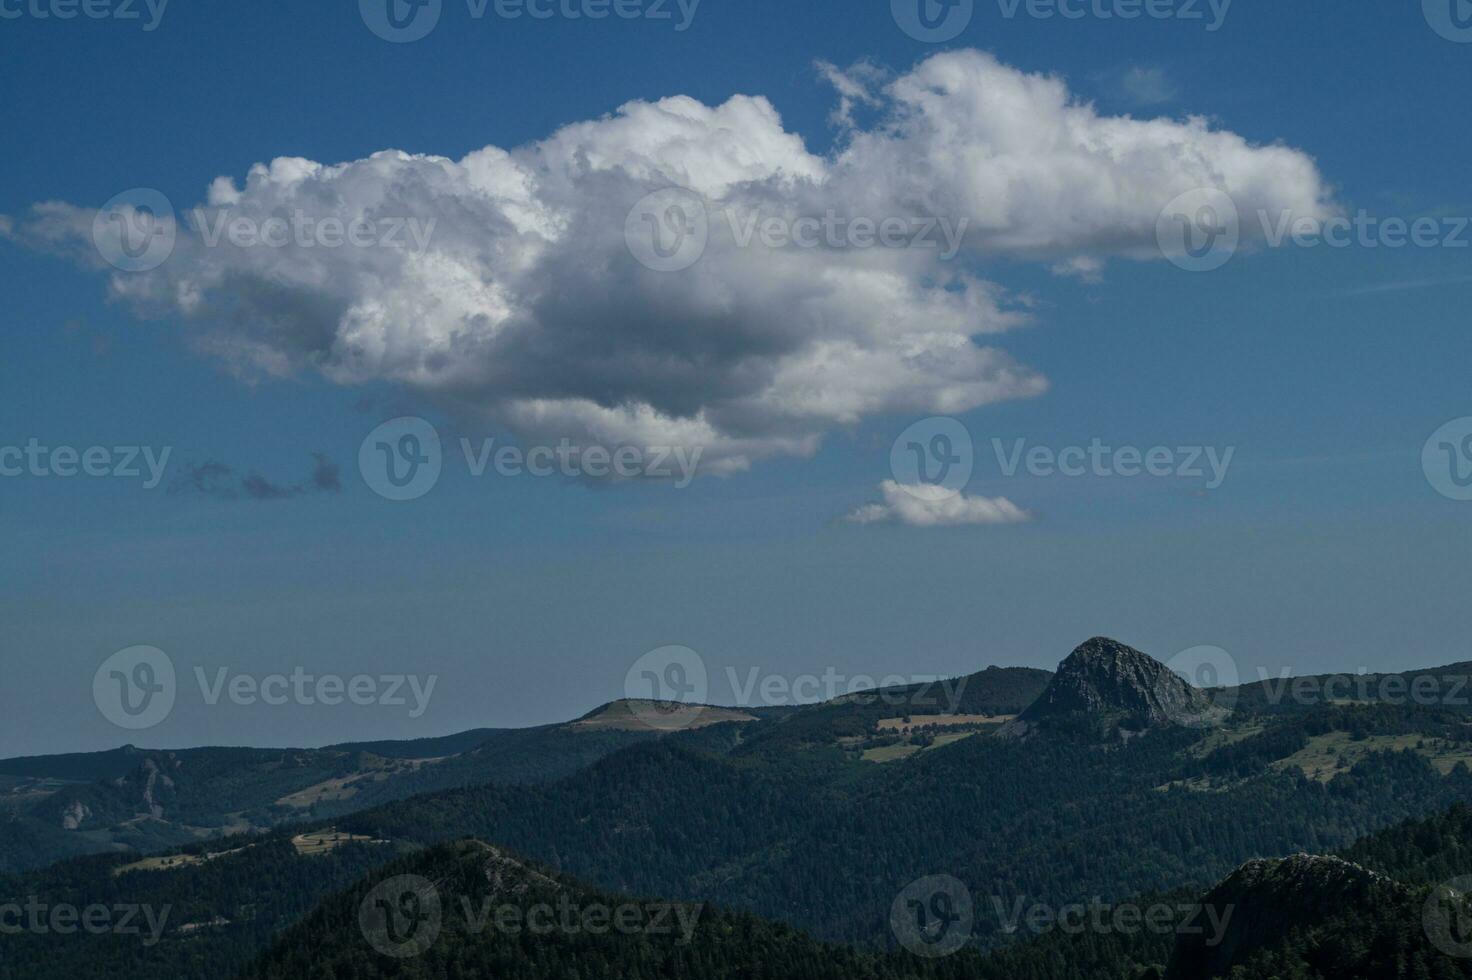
point(468, 909)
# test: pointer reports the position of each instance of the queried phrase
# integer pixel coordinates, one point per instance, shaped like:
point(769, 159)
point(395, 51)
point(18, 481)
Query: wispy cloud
point(1146, 86)
point(1405, 285)
point(1085, 268)
point(926, 507)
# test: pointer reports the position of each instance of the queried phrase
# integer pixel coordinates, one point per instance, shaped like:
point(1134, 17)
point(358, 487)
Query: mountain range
point(801, 830)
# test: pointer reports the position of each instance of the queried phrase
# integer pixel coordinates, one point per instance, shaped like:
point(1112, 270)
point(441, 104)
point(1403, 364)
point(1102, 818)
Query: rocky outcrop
point(74, 815)
point(1263, 902)
point(1108, 689)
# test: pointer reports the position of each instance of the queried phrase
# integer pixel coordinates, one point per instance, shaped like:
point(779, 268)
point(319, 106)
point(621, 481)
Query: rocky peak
point(1312, 872)
point(1263, 901)
point(1106, 687)
point(507, 875)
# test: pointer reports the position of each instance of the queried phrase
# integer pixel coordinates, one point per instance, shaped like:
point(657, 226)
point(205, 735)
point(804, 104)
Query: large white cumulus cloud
point(1039, 173)
point(525, 307)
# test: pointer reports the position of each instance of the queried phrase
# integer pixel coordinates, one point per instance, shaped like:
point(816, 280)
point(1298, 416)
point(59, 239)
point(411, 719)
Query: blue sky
point(1324, 548)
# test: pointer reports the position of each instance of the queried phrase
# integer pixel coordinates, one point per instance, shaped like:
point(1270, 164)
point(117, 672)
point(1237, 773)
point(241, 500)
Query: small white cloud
point(1147, 86)
point(856, 86)
point(1084, 268)
point(914, 507)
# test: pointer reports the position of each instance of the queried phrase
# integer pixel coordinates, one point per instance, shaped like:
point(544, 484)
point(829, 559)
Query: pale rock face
point(74, 815)
point(1107, 683)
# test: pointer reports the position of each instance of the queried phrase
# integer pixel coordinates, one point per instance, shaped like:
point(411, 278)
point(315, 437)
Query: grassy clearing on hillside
point(375, 769)
point(173, 862)
point(326, 841)
point(893, 753)
point(903, 727)
point(644, 716)
point(1221, 737)
point(1326, 756)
